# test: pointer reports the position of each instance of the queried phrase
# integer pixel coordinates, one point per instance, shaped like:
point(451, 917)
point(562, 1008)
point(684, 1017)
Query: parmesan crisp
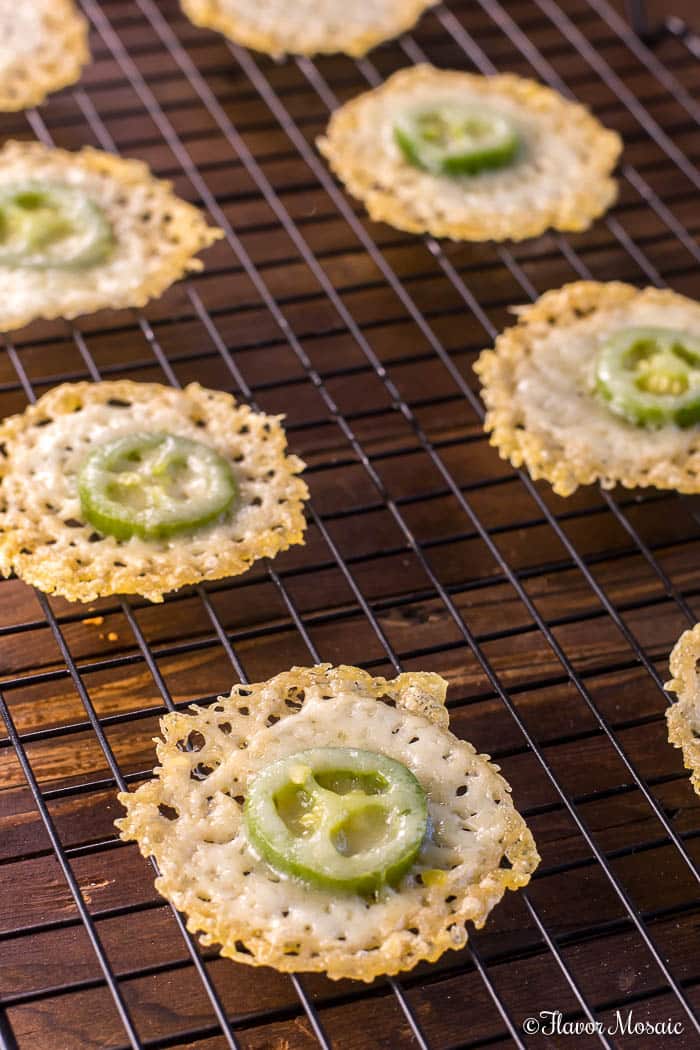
point(561, 178)
point(44, 538)
point(43, 47)
point(189, 818)
point(543, 411)
point(307, 27)
point(683, 717)
point(156, 235)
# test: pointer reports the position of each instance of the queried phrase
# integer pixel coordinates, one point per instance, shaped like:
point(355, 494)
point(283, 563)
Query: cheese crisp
point(43, 47)
point(560, 177)
point(683, 717)
point(544, 412)
point(155, 235)
point(44, 537)
point(307, 27)
point(191, 819)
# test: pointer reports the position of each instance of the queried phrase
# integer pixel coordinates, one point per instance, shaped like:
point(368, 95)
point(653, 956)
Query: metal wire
point(263, 86)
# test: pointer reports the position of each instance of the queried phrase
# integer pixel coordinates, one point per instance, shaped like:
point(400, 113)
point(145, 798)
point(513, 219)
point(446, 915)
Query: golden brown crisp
point(157, 236)
point(307, 27)
point(543, 412)
point(43, 537)
point(189, 817)
point(683, 717)
point(43, 47)
point(562, 179)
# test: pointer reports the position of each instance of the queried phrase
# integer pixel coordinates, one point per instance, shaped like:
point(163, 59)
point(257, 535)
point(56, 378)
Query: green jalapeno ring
point(154, 485)
point(453, 139)
point(341, 819)
point(51, 226)
point(651, 376)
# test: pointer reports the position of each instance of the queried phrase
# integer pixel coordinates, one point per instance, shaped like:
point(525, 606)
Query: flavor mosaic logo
point(553, 1022)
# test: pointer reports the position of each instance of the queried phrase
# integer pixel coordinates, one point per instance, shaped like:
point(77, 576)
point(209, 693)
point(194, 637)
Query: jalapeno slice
point(154, 486)
point(651, 376)
point(453, 139)
point(51, 227)
point(337, 817)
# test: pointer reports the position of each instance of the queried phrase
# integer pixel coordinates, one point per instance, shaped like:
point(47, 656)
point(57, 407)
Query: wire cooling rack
point(552, 619)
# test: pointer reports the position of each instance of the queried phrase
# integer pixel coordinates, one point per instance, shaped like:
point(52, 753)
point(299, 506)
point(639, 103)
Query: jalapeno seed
point(453, 139)
point(154, 486)
point(339, 818)
point(651, 376)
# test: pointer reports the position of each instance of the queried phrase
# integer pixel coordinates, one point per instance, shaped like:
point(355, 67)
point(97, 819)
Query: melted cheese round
point(156, 235)
point(43, 537)
point(683, 717)
point(190, 819)
point(307, 27)
point(538, 385)
point(43, 47)
point(561, 179)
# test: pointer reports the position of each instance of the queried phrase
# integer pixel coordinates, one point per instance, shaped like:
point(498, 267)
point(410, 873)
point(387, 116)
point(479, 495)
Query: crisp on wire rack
point(552, 619)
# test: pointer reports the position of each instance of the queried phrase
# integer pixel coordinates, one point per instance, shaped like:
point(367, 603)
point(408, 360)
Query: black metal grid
point(458, 269)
